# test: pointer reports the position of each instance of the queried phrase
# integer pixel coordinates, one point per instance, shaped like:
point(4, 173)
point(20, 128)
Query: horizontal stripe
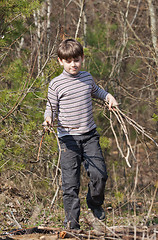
point(78, 123)
point(71, 97)
point(77, 114)
point(74, 99)
point(79, 105)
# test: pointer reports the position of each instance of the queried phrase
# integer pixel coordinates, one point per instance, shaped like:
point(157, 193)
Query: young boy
point(70, 96)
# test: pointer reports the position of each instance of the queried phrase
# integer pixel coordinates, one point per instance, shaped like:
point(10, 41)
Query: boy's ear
point(60, 61)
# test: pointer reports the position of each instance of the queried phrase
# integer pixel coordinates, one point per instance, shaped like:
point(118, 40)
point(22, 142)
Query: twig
point(13, 219)
point(5, 163)
point(118, 146)
point(39, 150)
point(136, 180)
point(57, 166)
point(55, 195)
point(126, 134)
point(152, 202)
point(136, 126)
point(110, 230)
point(116, 139)
point(122, 118)
point(80, 17)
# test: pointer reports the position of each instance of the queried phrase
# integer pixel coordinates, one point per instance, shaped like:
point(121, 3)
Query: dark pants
point(75, 150)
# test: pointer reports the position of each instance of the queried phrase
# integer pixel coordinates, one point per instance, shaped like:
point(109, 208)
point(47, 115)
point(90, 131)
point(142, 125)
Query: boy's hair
point(70, 48)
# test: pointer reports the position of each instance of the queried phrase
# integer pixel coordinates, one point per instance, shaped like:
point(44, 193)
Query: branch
point(13, 219)
point(153, 26)
point(80, 17)
point(122, 118)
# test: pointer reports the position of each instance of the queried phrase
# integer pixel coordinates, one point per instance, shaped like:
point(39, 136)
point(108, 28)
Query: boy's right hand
point(47, 122)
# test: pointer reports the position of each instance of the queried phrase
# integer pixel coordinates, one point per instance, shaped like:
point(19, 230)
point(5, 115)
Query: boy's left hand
point(112, 101)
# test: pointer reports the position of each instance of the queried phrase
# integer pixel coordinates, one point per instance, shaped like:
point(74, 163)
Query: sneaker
point(99, 213)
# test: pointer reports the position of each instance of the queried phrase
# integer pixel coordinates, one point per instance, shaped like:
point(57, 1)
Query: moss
point(104, 143)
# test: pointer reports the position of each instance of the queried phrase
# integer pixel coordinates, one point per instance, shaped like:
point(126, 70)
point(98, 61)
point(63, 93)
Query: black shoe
point(99, 213)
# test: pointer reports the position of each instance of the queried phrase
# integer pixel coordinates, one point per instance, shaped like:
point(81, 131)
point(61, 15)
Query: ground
point(131, 204)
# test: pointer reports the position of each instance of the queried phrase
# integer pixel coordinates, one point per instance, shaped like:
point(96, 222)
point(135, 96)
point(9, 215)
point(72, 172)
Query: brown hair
point(70, 48)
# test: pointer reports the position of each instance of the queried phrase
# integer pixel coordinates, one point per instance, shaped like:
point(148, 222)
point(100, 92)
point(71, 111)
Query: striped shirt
point(70, 98)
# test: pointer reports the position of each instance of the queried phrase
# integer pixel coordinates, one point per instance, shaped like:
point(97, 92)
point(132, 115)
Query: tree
point(120, 45)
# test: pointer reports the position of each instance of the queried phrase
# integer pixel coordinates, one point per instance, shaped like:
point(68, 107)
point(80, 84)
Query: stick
point(13, 219)
point(39, 150)
point(138, 128)
point(118, 146)
point(152, 202)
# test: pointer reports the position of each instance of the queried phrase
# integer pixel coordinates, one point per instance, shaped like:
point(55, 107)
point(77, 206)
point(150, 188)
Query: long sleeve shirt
point(70, 99)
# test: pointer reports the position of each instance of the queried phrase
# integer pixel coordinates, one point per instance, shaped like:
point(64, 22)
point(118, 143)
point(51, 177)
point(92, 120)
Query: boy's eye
point(70, 60)
point(76, 59)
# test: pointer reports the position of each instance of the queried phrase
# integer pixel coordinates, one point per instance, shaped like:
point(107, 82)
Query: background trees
point(120, 42)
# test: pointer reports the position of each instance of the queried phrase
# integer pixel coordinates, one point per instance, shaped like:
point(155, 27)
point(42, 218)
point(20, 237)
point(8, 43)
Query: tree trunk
point(153, 22)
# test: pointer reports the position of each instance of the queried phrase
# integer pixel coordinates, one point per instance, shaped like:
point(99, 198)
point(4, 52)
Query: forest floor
point(20, 219)
point(26, 211)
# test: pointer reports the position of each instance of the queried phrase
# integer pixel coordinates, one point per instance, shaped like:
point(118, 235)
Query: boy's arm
point(100, 93)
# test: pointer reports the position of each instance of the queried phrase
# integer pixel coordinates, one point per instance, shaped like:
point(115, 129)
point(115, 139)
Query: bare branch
point(153, 26)
point(80, 17)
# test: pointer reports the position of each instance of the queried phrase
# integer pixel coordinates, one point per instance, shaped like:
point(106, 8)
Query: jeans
point(75, 150)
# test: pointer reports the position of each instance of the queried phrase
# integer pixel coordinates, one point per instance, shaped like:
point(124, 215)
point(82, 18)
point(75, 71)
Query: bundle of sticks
point(123, 120)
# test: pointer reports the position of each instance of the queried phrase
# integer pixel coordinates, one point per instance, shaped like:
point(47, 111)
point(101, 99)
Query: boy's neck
point(69, 74)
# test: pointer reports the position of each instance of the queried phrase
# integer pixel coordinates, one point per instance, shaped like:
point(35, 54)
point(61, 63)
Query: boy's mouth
point(74, 69)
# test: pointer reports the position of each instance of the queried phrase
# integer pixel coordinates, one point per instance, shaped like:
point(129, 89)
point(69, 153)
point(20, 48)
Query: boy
point(69, 95)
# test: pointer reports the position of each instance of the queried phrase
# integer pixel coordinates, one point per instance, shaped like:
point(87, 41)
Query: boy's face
point(71, 65)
